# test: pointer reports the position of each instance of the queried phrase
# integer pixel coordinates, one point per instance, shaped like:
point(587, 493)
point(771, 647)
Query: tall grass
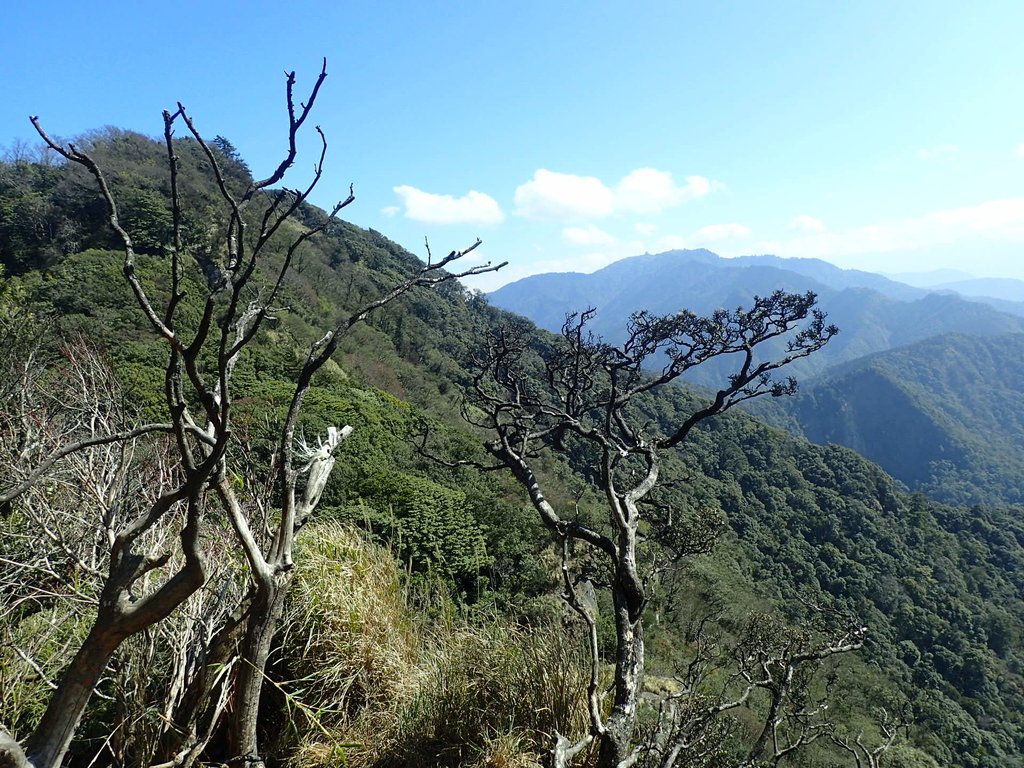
point(402, 692)
point(350, 645)
point(489, 690)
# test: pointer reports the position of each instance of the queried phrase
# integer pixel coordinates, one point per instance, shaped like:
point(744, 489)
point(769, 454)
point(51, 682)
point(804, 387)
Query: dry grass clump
point(349, 636)
point(375, 688)
point(490, 687)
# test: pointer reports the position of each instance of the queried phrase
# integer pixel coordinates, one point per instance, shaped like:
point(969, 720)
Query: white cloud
point(937, 150)
point(998, 220)
point(999, 217)
point(390, 210)
point(645, 228)
point(563, 197)
point(807, 223)
point(472, 208)
point(551, 196)
point(587, 235)
point(714, 232)
point(650, 191)
point(1020, 150)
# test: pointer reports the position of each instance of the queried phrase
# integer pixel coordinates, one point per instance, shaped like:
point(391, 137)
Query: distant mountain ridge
point(930, 278)
point(1002, 288)
point(873, 313)
point(832, 276)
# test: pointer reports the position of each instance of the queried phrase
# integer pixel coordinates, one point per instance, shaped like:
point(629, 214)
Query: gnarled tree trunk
point(620, 725)
point(268, 608)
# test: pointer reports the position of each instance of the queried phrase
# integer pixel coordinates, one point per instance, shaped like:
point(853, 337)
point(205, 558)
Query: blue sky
point(881, 135)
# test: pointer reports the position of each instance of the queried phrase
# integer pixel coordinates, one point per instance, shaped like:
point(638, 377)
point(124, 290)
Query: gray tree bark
point(268, 607)
point(119, 617)
point(587, 393)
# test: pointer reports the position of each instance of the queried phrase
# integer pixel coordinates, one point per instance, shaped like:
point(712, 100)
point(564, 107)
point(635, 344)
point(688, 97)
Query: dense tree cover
point(938, 586)
point(943, 415)
point(51, 209)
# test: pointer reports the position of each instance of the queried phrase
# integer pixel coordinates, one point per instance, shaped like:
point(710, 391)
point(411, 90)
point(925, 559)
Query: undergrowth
point(381, 686)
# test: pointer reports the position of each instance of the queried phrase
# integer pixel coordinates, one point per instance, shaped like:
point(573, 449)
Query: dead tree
point(777, 673)
point(584, 396)
point(244, 281)
point(782, 663)
point(57, 558)
point(869, 755)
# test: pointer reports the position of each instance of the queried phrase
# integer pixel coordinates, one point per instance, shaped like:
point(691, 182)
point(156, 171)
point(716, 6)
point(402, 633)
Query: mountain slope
point(943, 415)
point(832, 276)
point(939, 586)
point(1004, 289)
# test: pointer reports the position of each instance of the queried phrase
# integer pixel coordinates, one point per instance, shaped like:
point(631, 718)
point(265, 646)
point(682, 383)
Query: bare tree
point(869, 755)
point(585, 397)
point(774, 671)
point(54, 567)
point(147, 578)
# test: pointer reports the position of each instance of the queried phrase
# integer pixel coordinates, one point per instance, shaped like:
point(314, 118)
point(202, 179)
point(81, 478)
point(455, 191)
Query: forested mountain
point(821, 271)
point(943, 415)
point(812, 533)
point(918, 381)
